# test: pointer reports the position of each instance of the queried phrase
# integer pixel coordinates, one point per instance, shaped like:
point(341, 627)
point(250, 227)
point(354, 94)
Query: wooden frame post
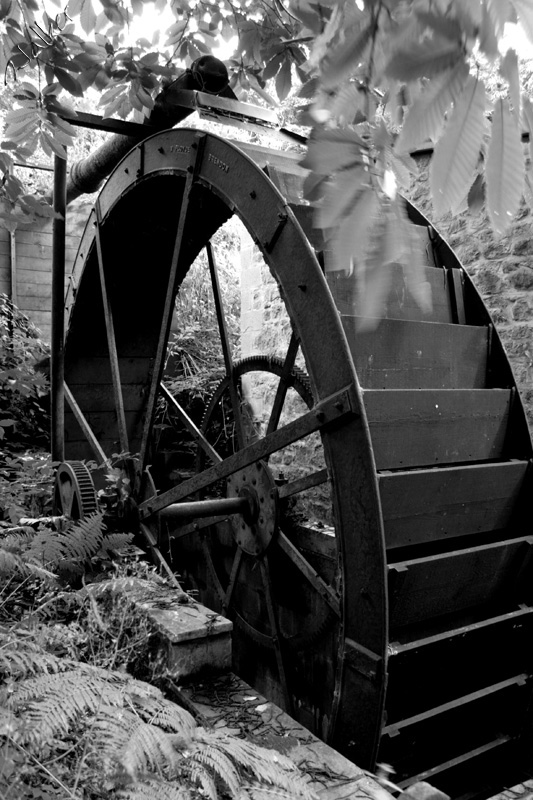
point(57, 360)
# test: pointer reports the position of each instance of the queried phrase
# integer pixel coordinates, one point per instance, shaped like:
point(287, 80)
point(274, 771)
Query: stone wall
point(502, 271)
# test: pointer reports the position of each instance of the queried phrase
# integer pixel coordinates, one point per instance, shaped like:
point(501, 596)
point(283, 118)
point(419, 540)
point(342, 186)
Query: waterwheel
point(393, 618)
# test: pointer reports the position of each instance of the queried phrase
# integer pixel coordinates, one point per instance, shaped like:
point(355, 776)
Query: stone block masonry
point(502, 271)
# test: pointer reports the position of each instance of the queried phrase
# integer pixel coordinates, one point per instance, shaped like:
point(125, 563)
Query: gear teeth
point(300, 382)
point(83, 486)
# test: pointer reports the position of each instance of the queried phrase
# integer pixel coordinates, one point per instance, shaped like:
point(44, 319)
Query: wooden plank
point(87, 371)
point(464, 759)
point(424, 588)
point(430, 427)
point(44, 237)
point(99, 396)
point(469, 723)
point(37, 250)
point(405, 354)
point(470, 657)
point(40, 264)
point(399, 303)
point(427, 505)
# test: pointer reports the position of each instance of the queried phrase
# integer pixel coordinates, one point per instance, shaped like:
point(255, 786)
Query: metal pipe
point(57, 361)
point(206, 508)
point(207, 74)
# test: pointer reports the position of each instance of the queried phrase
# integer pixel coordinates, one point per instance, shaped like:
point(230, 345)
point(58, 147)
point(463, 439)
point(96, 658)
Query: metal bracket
point(362, 660)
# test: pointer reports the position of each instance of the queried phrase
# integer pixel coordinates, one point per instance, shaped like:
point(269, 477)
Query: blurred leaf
point(504, 171)
point(524, 10)
point(345, 58)
point(500, 12)
point(408, 255)
point(488, 39)
point(340, 194)
point(426, 117)
point(331, 150)
point(424, 59)
point(457, 151)
point(509, 71)
point(350, 241)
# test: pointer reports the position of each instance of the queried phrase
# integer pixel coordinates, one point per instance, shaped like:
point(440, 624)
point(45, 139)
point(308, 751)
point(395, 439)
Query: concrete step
point(191, 640)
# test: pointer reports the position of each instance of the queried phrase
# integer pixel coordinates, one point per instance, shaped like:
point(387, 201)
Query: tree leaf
point(340, 194)
point(457, 151)
point(524, 10)
point(500, 13)
point(332, 150)
point(505, 168)
point(68, 82)
point(427, 115)
point(408, 255)
point(424, 59)
point(488, 39)
point(346, 57)
point(509, 71)
point(284, 80)
point(349, 244)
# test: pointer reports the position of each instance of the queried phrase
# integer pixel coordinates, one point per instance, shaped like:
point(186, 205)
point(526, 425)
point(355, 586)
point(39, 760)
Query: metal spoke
point(226, 346)
point(267, 583)
point(332, 409)
point(111, 341)
point(210, 452)
point(309, 573)
point(301, 484)
point(232, 579)
point(283, 385)
point(84, 425)
point(209, 560)
point(166, 317)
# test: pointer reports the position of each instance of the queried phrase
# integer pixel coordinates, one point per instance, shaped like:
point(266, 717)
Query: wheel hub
point(253, 530)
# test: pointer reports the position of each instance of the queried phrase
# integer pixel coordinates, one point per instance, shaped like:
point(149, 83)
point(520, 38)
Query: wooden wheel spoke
point(166, 317)
point(232, 579)
point(283, 385)
point(84, 425)
point(301, 484)
point(334, 408)
point(111, 341)
point(267, 583)
point(210, 452)
point(309, 573)
point(226, 346)
point(212, 571)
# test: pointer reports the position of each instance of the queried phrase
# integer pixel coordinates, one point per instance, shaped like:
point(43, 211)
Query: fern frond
point(121, 739)
point(53, 702)
point(255, 791)
point(267, 766)
point(11, 564)
point(200, 776)
point(114, 541)
point(17, 541)
point(218, 762)
point(79, 543)
point(155, 790)
point(167, 715)
point(148, 748)
point(19, 659)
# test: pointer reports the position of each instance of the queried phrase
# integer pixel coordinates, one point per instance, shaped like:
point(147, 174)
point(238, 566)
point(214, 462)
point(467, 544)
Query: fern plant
point(135, 742)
